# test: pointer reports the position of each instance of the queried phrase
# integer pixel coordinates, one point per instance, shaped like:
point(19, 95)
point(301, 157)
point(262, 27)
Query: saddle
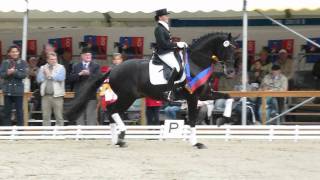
point(156, 60)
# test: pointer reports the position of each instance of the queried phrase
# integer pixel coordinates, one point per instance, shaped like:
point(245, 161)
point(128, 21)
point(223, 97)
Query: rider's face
point(164, 18)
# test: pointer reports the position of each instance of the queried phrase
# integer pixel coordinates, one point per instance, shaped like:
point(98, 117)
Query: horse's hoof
point(200, 146)
point(122, 144)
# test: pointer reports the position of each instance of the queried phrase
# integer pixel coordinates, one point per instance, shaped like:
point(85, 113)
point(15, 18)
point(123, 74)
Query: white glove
point(182, 45)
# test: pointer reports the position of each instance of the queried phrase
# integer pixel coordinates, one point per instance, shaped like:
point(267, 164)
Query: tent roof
point(149, 6)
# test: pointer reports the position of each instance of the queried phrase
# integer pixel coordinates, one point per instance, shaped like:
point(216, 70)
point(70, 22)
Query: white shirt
point(164, 24)
point(85, 65)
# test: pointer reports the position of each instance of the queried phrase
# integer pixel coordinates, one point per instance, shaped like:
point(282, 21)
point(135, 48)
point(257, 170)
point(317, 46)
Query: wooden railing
point(262, 94)
point(265, 94)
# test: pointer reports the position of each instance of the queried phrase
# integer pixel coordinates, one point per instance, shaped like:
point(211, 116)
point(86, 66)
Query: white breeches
point(170, 60)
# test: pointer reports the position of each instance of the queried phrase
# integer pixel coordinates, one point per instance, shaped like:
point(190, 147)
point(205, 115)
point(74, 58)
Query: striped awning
point(147, 6)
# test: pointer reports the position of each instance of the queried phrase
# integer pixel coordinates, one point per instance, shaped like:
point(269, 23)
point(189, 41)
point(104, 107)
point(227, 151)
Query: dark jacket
point(12, 84)
point(164, 43)
point(79, 81)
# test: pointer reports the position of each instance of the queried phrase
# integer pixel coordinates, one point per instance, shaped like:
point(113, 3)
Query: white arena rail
point(157, 132)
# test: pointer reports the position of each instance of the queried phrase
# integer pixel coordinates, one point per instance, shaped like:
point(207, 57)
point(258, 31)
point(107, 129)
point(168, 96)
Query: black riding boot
point(169, 94)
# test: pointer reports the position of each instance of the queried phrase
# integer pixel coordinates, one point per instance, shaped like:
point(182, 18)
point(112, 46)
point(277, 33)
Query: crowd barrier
point(262, 94)
point(226, 132)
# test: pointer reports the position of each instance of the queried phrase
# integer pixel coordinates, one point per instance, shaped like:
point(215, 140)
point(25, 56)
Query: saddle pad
point(157, 77)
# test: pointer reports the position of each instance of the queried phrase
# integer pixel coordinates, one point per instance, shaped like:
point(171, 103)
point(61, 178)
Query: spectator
point(43, 57)
point(316, 76)
point(153, 111)
point(116, 59)
point(172, 108)
point(204, 112)
point(107, 96)
point(32, 72)
point(52, 76)
point(13, 70)
point(79, 76)
point(285, 63)
point(66, 60)
point(274, 81)
point(264, 58)
point(257, 73)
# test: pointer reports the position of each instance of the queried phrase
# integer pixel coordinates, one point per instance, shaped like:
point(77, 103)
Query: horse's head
point(214, 48)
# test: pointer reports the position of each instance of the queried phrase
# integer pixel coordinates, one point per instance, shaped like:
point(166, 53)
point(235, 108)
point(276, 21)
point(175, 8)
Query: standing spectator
point(286, 64)
point(116, 59)
point(43, 57)
point(13, 70)
point(66, 60)
point(153, 111)
point(52, 76)
point(79, 76)
point(106, 95)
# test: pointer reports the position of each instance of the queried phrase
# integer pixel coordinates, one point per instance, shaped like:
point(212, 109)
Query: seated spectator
point(264, 58)
point(172, 108)
point(229, 83)
point(204, 112)
point(274, 81)
point(52, 76)
point(257, 73)
point(285, 63)
point(153, 111)
point(316, 75)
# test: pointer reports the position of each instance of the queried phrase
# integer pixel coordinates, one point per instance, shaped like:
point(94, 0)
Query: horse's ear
point(236, 37)
point(229, 36)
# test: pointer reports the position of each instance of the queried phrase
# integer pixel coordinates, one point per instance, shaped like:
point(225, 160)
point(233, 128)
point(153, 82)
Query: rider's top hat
point(161, 12)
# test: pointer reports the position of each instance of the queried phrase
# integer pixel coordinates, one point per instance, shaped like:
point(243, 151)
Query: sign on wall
point(312, 49)
point(98, 45)
point(131, 47)
point(276, 45)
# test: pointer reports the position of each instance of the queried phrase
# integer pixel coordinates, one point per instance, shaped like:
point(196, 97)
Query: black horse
point(130, 81)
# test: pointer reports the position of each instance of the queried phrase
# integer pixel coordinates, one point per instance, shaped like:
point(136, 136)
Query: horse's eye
point(226, 43)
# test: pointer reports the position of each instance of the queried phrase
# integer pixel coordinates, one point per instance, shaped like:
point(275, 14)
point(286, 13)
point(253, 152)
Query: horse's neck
point(195, 69)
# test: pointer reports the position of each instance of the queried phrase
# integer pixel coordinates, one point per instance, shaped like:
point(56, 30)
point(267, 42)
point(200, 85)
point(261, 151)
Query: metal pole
point(287, 28)
point(244, 61)
point(25, 33)
point(291, 109)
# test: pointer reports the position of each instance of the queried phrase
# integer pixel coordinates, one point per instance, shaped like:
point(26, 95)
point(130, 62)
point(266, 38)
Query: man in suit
point(165, 47)
point(79, 76)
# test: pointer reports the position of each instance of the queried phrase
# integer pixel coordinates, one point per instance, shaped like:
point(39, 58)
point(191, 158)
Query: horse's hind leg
point(116, 122)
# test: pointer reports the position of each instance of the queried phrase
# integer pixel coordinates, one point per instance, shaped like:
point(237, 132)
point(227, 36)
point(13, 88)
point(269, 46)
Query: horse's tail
point(78, 104)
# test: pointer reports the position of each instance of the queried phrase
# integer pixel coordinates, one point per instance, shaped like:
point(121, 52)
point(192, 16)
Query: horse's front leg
point(192, 113)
